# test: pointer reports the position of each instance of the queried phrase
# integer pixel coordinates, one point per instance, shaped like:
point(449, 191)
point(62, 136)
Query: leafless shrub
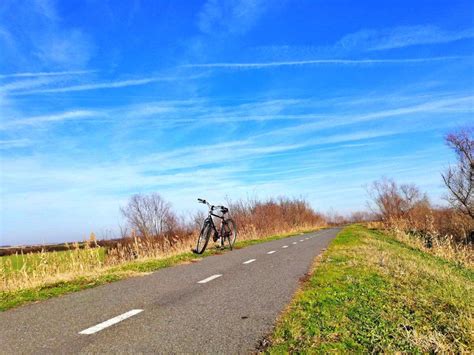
point(361, 216)
point(149, 214)
point(392, 201)
point(256, 218)
point(447, 221)
point(334, 218)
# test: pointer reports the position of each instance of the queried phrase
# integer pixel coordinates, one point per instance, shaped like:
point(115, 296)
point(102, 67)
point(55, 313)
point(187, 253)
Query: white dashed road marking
point(249, 261)
point(271, 252)
point(285, 246)
point(301, 240)
point(294, 243)
point(112, 321)
point(210, 278)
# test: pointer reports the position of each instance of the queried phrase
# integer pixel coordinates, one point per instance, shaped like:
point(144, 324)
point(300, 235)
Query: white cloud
point(59, 117)
point(398, 37)
point(262, 65)
point(26, 84)
point(432, 106)
point(200, 112)
point(230, 17)
point(96, 86)
point(14, 143)
point(41, 74)
point(117, 84)
point(40, 38)
point(363, 41)
point(65, 48)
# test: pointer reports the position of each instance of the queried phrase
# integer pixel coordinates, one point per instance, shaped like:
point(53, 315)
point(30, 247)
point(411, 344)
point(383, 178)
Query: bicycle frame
point(210, 220)
point(224, 233)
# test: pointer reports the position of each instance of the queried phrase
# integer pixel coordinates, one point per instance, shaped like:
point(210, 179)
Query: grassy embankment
point(90, 259)
point(372, 293)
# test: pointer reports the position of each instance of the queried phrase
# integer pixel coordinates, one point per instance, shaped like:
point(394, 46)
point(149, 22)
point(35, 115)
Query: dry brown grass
point(440, 232)
point(445, 247)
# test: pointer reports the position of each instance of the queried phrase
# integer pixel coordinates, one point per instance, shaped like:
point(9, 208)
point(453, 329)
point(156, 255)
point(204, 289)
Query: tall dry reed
point(29, 270)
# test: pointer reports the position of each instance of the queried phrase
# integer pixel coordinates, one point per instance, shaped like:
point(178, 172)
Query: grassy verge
point(10, 299)
point(371, 293)
point(29, 262)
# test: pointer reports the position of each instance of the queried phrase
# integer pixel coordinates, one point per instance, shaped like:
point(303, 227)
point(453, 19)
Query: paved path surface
point(223, 303)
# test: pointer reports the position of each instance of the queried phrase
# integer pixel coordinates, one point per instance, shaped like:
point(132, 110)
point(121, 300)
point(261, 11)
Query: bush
point(257, 218)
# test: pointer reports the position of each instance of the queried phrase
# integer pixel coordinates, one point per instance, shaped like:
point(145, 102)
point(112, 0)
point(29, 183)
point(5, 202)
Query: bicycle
point(226, 233)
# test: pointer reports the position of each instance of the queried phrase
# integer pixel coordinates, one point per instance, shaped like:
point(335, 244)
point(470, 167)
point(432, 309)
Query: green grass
point(15, 262)
point(370, 293)
point(13, 299)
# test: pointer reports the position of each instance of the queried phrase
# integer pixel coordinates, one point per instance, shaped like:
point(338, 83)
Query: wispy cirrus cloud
point(20, 88)
point(50, 42)
point(26, 84)
point(367, 41)
point(262, 65)
point(58, 117)
point(201, 112)
point(43, 74)
point(30, 81)
point(230, 17)
point(434, 106)
point(399, 37)
point(14, 143)
point(96, 86)
point(67, 48)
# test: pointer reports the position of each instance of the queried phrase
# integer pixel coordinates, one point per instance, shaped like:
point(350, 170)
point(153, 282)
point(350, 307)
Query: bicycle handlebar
point(212, 207)
point(201, 200)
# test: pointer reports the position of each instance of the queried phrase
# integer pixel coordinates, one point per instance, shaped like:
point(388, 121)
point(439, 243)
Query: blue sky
point(103, 99)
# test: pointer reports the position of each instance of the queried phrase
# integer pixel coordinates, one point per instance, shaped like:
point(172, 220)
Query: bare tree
point(361, 216)
point(459, 179)
point(150, 214)
point(394, 201)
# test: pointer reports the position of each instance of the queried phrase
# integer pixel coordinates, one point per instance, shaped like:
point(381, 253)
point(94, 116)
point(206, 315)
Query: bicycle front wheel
point(203, 238)
point(230, 229)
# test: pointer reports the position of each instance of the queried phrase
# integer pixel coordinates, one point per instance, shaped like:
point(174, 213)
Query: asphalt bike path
point(222, 303)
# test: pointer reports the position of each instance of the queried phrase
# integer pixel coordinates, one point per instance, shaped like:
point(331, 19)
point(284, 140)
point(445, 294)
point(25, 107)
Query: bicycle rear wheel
point(203, 238)
point(230, 230)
